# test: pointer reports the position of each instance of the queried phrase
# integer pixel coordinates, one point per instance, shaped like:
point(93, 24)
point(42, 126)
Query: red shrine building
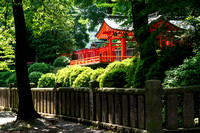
point(118, 36)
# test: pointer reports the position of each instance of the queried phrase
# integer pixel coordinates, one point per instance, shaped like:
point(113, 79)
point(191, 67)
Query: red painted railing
point(98, 59)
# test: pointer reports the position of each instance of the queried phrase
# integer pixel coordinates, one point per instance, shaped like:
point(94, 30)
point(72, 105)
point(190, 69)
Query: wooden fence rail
point(152, 109)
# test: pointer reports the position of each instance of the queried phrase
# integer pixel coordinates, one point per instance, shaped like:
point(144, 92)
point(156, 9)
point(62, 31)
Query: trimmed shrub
point(62, 76)
point(115, 78)
point(12, 79)
point(3, 77)
point(96, 73)
point(39, 67)
point(186, 74)
point(47, 80)
point(113, 66)
point(34, 77)
point(130, 70)
point(83, 79)
point(75, 71)
point(61, 61)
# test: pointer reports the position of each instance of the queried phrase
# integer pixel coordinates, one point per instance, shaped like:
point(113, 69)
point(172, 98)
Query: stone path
point(41, 125)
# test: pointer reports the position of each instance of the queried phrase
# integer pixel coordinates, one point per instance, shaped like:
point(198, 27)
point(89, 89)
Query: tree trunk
point(142, 32)
point(26, 109)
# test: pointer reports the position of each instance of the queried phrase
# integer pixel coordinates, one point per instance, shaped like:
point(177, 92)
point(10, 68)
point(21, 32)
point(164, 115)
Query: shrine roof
point(112, 24)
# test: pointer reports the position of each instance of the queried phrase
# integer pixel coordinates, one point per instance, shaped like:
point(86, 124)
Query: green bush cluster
point(115, 78)
point(61, 61)
point(83, 79)
point(96, 73)
point(47, 80)
point(130, 70)
point(39, 67)
point(34, 77)
point(3, 77)
point(11, 80)
point(186, 74)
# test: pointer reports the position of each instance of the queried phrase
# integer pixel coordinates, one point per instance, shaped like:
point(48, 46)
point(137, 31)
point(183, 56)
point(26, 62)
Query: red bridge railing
point(98, 59)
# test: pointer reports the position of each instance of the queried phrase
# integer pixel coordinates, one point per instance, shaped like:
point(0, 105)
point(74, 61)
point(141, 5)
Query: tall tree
point(26, 109)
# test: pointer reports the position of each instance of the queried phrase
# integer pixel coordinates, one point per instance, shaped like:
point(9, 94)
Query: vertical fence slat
point(188, 110)
point(111, 107)
point(104, 107)
point(125, 112)
point(72, 103)
point(86, 106)
point(118, 109)
point(68, 104)
point(133, 111)
point(172, 112)
point(63, 103)
point(98, 107)
point(77, 104)
point(82, 104)
point(141, 112)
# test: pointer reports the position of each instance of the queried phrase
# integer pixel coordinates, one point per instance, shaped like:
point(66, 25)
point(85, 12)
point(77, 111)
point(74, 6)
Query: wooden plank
point(68, 104)
point(98, 107)
point(125, 112)
point(188, 110)
point(82, 105)
point(172, 112)
point(86, 106)
point(104, 102)
point(141, 112)
point(111, 111)
point(77, 104)
point(118, 109)
point(63, 103)
point(72, 104)
point(133, 111)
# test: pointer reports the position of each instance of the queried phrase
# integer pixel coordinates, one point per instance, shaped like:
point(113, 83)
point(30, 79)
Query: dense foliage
point(96, 73)
point(3, 77)
point(130, 70)
point(34, 77)
point(61, 61)
point(170, 57)
point(11, 80)
point(47, 80)
point(83, 79)
point(186, 74)
point(115, 78)
point(39, 67)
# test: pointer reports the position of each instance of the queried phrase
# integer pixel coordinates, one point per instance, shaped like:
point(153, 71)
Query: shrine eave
point(107, 31)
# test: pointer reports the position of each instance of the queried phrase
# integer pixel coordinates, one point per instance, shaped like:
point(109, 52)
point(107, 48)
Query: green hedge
point(186, 74)
point(3, 77)
point(61, 61)
point(12, 79)
point(115, 78)
point(34, 77)
point(47, 80)
point(130, 70)
point(96, 73)
point(83, 79)
point(39, 67)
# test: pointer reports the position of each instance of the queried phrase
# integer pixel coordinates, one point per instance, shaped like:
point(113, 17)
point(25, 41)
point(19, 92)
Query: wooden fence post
point(153, 103)
point(92, 85)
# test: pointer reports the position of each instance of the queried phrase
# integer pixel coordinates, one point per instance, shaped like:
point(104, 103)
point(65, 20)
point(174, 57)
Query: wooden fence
point(152, 109)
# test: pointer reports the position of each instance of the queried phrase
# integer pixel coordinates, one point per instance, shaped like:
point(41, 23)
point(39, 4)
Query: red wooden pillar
point(110, 49)
point(123, 48)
